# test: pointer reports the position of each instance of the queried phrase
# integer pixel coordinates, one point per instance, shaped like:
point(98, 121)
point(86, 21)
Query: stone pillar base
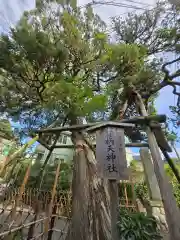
point(157, 210)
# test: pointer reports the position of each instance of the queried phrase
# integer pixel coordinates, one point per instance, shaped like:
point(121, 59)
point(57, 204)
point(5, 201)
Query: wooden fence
point(63, 198)
point(24, 217)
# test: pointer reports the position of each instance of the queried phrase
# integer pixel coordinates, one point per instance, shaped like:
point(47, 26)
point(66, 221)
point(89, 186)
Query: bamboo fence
point(17, 210)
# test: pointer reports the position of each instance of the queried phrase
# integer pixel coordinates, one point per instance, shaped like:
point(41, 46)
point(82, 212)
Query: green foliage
point(6, 129)
point(16, 175)
point(142, 190)
point(49, 176)
point(137, 226)
point(128, 60)
point(129, 190)
point(133, 164)
point(175, 119)
point(59, 62)
point(174, 182)
point(50, 62)
point(170, 29)
point(157, 31)
point(169, 171)
point(152, 108)
point(176, 190)
point(141, 29)
point(171, 137)
point(65, 178)
point(133, 71)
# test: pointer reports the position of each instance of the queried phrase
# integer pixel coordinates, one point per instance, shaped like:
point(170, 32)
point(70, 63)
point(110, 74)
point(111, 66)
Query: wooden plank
point(40, 141)
point(136, 120)
point(50, 207)
point(109, 124)
point(161, 140)
point(126, 145)
point(136, 144)
point(150, 176)
point(161, 118)
point(110, 153)
point(170, 206)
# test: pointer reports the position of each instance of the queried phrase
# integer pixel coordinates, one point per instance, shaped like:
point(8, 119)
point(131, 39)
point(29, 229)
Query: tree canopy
point(60, 63)
point(51, 59)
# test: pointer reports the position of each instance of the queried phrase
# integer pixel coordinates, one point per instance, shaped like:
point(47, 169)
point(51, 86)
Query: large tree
point(58, 64)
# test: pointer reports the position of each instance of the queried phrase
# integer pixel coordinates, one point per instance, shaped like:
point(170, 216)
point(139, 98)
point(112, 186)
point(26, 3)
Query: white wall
point(65, 154)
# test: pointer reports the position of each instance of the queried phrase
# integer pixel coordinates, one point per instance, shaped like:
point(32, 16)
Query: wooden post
point(111, 154)
point(170, 206)
point(36, 204)
point(22, 188)
point(19, 152)
point(114, 204)
point(18, 198)
point(52, 222)
point(112, 165)
point(50, 208)
point(150, 175)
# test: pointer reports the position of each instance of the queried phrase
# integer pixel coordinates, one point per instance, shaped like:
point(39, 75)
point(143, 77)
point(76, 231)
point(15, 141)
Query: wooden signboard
point(110, 153)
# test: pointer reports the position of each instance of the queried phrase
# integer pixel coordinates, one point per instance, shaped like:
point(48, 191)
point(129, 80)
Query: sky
point(11, 11)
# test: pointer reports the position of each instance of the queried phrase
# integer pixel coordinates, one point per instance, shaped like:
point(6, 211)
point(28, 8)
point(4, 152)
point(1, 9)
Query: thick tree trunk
point(90, 200)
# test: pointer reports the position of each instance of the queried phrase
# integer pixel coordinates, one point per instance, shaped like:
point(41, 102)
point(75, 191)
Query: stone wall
point(154, 206)
point(157, 211)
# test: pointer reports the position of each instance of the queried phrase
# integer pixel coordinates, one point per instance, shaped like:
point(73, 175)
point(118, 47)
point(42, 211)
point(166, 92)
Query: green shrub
point(176, 190)
point(142, 191)
point(137, 226)
point(129, 190)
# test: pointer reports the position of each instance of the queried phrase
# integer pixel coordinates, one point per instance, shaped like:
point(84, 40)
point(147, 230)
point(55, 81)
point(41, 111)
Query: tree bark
point(90, 199)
